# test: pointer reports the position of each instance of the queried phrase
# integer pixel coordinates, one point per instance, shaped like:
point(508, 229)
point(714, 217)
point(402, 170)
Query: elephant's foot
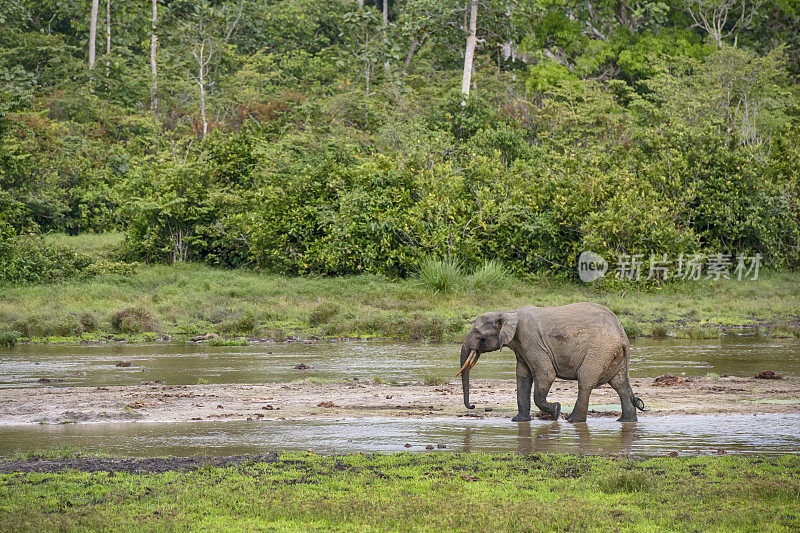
point(574, 418)
point(629, 418)
point(520, 417)
point(551, 409)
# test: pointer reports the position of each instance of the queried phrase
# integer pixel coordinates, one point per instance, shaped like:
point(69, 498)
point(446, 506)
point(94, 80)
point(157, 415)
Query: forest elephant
point(581, 341)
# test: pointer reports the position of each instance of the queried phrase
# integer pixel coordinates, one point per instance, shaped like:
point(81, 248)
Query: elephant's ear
point(508, 328)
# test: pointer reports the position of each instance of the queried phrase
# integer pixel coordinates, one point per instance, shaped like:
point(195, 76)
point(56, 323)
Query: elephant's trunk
point(466, 355)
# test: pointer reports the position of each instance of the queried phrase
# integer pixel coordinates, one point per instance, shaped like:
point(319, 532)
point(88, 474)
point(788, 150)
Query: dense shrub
point(29, 259)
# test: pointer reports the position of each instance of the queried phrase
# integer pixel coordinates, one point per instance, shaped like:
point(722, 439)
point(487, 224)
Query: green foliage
point(339, 145)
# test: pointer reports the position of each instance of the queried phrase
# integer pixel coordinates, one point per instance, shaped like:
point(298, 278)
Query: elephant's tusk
point(477, 356)
point(467, 362)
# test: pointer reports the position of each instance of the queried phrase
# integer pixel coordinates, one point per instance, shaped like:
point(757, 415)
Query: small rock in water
point(407, 445)
point(488, 409)
point(302, 366)
point(388, 396)
point(268, 407)
point(767, 374)
point(43, 380)
point(429, 447)
point(124, 363)
point(441, 446)
point(327, 404)
point(669, 380)
point(673, 454)
point(204, 337)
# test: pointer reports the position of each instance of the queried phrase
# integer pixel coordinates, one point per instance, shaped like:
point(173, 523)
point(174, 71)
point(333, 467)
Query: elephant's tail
point(637, 402)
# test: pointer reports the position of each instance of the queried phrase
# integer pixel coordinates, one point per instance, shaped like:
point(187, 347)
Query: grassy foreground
point(431, 492)
point(190, 299)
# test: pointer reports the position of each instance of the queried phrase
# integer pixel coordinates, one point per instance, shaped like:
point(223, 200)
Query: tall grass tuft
point(490, 275)
point(133, 320)
point(624, 481)
point(441, 275)
point(8, 339)
point(632, 328)
point(659, 331)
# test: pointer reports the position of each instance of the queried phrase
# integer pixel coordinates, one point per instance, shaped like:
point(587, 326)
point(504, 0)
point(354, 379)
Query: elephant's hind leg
point(541, 387)
point(622, 385)
point(581, 408)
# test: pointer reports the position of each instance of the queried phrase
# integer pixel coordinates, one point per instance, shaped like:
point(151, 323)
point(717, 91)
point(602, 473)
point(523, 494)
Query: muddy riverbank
point(354, 399)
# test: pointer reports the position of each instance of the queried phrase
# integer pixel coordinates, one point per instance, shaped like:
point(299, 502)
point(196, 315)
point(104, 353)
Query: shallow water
point(392, 361)
point(653, 435)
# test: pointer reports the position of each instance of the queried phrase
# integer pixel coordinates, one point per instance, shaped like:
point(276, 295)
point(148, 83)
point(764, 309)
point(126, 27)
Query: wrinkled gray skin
point(581, 341)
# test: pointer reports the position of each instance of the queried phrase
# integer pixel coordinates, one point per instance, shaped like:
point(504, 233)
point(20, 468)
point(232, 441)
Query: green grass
point(420, 492)
point(93, 244)
point(712, 332)
point(191, 299)
point(228, 342)
point(63, 452)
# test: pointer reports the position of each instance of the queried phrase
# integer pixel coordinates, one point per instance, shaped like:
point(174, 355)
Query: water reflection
point(402, 362)
point(550, 437)
point(651, 435)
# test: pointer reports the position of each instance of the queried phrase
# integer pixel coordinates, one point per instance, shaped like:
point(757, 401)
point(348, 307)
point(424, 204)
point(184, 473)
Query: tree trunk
point(153, 64)
point(108, 40)
point(469, 51)
point(202, 82)
point(386, 30)
point(93, 32)
point(411, 51)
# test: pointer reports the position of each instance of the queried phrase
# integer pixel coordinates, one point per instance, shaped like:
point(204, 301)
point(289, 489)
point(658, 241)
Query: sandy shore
point(170, 403)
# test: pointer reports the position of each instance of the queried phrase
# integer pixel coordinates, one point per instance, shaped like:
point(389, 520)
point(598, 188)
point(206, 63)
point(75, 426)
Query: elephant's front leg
point(524, 383)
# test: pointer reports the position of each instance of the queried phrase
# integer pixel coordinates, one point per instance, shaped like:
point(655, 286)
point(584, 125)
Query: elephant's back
point(582, 318)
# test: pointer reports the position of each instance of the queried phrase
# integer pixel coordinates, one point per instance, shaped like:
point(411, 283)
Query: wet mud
point(495, 398)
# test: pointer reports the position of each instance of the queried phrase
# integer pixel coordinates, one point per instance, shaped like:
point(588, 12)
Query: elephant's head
point(490, 332)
